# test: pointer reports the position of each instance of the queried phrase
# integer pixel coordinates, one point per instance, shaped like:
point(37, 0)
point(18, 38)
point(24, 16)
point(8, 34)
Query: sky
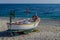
point(31, 1)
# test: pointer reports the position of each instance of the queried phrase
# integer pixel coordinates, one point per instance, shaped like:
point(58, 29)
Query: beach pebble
point(47, 31)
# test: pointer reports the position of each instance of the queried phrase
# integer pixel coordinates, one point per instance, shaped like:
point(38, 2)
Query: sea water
point(49, 11)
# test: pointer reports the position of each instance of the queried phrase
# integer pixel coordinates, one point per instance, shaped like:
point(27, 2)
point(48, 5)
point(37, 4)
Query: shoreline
point(46, 27)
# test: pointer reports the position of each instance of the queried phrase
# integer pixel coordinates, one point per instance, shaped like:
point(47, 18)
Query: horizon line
point(29, 3)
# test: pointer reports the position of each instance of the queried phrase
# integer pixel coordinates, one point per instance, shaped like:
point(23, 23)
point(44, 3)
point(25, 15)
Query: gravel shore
point(49, 30)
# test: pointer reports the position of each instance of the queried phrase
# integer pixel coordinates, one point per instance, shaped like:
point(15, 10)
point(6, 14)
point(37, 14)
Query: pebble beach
point(49, 30)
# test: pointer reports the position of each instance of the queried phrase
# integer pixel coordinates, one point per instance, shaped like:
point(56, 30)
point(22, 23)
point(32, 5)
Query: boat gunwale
point(32, 23)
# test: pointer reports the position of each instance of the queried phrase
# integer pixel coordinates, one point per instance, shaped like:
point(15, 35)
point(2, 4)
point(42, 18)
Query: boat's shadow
point(7, 34)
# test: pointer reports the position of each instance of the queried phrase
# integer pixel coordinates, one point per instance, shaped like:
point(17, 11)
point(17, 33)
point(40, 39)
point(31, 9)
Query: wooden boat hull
point(23, 27)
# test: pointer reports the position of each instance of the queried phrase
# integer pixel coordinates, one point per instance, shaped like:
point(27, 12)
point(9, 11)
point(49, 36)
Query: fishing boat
point(24, 24)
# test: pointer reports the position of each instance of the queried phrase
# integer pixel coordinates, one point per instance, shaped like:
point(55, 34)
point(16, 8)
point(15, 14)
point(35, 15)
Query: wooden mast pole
point(27, 11)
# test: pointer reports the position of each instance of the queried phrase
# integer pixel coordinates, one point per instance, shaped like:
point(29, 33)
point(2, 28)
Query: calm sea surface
point(49, 11)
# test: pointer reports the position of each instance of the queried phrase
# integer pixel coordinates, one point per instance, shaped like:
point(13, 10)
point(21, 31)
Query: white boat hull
point(24, 26)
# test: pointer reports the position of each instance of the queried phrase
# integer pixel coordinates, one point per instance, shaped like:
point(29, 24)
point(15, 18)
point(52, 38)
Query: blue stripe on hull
point(18, 30)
